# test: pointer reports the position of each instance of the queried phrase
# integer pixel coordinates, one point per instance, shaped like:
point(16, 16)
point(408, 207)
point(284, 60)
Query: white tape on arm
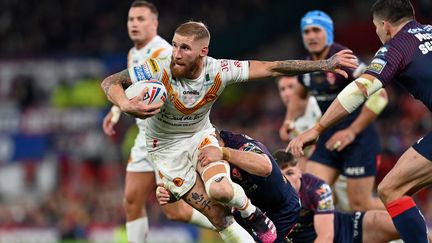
point(377, 101)
point(352, 97)
point(116, 112)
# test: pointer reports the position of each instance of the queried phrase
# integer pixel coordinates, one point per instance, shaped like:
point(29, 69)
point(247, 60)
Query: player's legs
point(322, 171)
point(378, 227)
point(341, 195)
point(411, 173)
point(183, 212)
point(359, 192)
point(218, 214)
point(220, 188)
point(138, 185)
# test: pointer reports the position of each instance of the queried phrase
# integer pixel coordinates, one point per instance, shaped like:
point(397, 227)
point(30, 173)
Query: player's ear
point(386, 26)
point(204, 51)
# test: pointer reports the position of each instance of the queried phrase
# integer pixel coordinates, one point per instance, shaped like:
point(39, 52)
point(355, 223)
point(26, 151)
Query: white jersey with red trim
point(156, 48)
point(310, 117)
point(187, 108)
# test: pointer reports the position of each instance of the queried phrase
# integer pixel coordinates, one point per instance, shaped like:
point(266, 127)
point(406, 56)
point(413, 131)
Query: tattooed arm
point(113, 88)
point(342, 59)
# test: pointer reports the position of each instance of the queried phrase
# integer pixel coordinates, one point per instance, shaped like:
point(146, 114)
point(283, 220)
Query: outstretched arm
point(342, 59)
point(351, 97)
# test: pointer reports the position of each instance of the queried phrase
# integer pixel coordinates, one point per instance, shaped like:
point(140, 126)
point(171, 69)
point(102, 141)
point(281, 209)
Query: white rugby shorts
point(176, 164)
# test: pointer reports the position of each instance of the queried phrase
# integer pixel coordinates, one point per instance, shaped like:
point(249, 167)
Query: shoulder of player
point(312, 181)
point(222, 65)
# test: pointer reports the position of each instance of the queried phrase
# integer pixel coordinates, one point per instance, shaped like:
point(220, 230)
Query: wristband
point(116, 112)
point(226, 154)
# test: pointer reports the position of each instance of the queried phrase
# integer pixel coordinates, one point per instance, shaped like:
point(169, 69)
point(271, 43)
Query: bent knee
point(385, 191)
point(221, 192)
point(133, 198)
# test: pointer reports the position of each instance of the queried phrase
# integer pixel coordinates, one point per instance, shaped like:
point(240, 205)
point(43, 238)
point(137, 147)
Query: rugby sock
point(408, 220)
point(200, 220)
point(241, 202)
point(137, 230)
point(235, 234)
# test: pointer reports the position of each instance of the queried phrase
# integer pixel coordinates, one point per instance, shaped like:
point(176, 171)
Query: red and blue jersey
point(271, 194)
point(268, 193)
point(316, 198)
point(407, 60)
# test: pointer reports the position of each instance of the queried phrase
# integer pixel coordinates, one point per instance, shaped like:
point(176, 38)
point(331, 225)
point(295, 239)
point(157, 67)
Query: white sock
point(235, 234)
point(137, 230)
point(241, 202)
point(200, 220)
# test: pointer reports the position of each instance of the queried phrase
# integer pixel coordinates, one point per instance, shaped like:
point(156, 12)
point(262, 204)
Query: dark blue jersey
point(269, 193)
point(325, 86)
point(316, 198)
point(407, 59)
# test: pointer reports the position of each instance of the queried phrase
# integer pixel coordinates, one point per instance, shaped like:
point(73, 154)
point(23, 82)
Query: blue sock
point(408, 220)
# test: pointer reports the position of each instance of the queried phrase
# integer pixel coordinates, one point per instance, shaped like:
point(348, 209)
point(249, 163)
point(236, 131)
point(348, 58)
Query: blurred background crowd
point(61, 178)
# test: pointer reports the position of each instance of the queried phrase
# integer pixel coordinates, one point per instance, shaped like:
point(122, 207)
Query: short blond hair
point(196, 29)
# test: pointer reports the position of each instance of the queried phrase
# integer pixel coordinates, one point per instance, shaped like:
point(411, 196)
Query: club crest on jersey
point(209, 97)
point(142, 72)
point(377, 65)
point(178, 181)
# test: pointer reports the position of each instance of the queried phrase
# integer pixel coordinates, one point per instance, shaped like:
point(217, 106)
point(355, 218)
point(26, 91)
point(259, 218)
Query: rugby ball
point(156, 91)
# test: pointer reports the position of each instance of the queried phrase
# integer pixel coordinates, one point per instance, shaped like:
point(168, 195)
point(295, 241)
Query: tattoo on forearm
point(293, 67)
point(121, 78)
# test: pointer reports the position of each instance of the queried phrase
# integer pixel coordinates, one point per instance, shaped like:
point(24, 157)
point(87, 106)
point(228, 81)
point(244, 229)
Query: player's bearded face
point(185, 61)
point(184, 68)
point(314, 39)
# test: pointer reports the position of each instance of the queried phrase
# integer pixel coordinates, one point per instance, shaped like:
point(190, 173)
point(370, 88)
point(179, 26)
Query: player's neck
point(321, 55)
point(141, 44)
point(396, 28)
point(196, 72)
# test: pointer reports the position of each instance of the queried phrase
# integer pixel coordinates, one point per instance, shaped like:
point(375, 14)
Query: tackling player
point(179, 128)
point(405, 58)
point(254, 169)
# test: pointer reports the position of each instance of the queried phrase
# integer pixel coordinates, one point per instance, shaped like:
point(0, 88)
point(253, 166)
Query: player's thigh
point(178, 211)
point(326, 173)
point(218, 214)
point(360, 187)
point(378, 227)
point(139, 185)
point(411, 173)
